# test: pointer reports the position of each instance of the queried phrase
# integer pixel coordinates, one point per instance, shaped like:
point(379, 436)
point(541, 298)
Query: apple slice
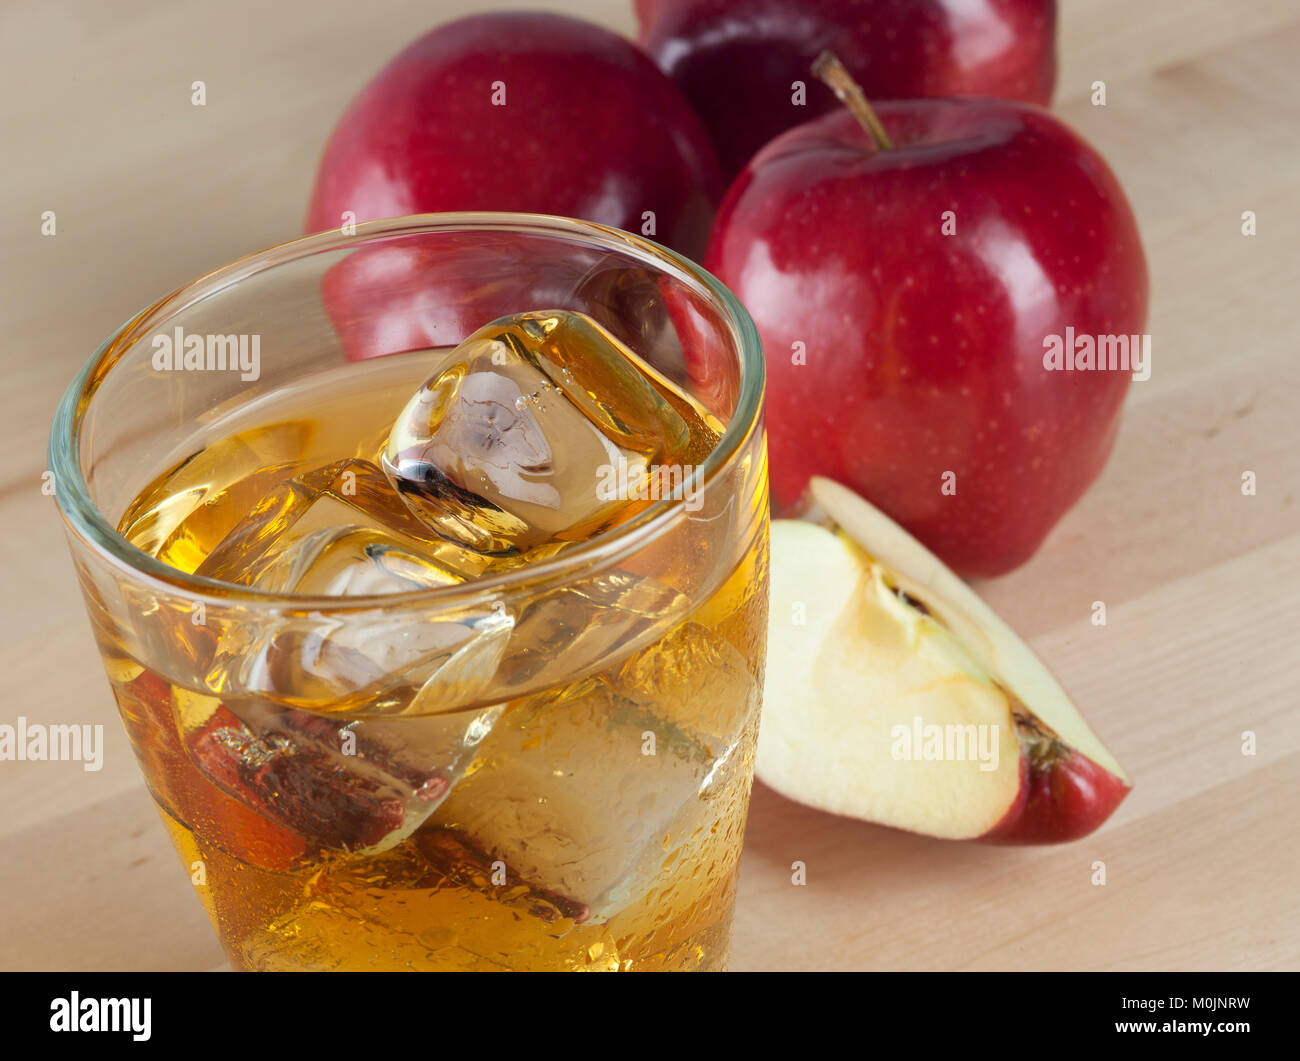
point(896, 695)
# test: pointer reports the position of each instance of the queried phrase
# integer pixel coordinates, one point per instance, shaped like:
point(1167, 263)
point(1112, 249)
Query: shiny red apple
point(906, 298)
point(524, 112)
point(737, 60)
point(436, 289)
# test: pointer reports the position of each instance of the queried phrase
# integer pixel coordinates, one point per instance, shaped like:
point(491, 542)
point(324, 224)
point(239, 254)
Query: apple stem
point(829, 69)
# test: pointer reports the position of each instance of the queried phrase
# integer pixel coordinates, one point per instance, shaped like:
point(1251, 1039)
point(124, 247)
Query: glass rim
point(84, 518)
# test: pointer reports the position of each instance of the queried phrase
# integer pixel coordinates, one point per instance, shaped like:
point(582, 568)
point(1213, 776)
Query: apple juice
point(559, 781)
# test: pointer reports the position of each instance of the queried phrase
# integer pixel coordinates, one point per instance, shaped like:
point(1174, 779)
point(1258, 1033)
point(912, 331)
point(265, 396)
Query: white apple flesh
point(894, 694)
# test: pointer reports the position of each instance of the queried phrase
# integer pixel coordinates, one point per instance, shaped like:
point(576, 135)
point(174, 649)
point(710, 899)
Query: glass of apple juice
point(428, 564)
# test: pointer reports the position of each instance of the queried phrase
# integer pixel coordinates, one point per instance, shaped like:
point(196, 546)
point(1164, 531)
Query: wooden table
point(1202, 123)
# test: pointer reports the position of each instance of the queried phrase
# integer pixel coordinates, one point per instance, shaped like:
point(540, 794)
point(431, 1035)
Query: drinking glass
point(545, 767)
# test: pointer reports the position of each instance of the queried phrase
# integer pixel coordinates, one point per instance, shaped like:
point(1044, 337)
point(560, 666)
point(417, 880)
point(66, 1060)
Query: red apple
point(894, 694)
point(524, 112)
point(920, 285)
point(737, 60)
point(435, 290)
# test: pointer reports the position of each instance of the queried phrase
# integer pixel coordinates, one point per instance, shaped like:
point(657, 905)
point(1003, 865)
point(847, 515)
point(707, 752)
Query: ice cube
point(571, 791)
point(531, 431)
point(576, 628)
point(275, 546)
point(606, 790)
point(373, 662)
point(340, 530)
point(352, 783)
point(344, 784)
point(352, 561)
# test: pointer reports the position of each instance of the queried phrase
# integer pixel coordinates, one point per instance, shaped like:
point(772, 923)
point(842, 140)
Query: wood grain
point(1202, 122)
